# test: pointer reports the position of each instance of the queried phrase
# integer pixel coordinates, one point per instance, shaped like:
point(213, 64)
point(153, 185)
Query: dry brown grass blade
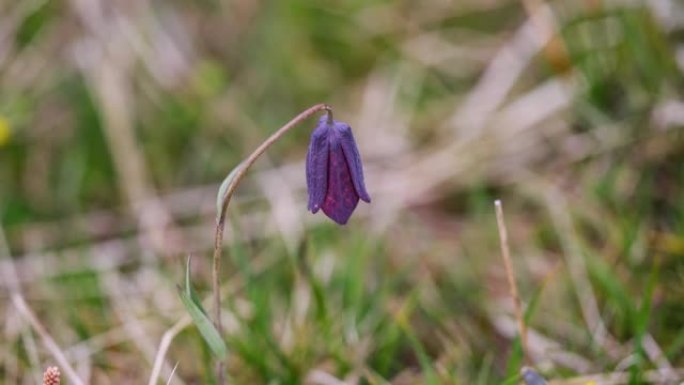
point(49, 342)
point(510, 275)
point(164, 346)
point(9, 276)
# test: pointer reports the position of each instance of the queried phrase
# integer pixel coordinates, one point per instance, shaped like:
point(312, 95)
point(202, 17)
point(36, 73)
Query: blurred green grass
point(413, 290)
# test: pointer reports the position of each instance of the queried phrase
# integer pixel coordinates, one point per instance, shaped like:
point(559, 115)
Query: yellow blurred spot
point(669, 243)
point(590, 383)
point(4, 131)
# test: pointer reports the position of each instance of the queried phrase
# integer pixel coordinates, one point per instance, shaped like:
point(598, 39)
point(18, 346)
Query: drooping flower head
point(334, 174)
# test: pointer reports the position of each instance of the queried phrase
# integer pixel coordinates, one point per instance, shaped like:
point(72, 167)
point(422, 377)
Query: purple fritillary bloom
point(334, 175)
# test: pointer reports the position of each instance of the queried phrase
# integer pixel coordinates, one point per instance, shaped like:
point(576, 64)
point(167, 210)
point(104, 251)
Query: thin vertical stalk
point(513, 287)
point(225, 200)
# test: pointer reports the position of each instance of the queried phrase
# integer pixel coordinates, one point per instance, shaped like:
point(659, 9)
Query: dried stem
point(513, 287)
point(221, 219)
point(50, 344)
point(164, 345)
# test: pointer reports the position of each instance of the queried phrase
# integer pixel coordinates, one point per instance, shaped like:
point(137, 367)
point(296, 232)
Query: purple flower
point(334, 175)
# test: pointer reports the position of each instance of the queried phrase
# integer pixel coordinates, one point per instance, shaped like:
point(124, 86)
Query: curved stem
point(330, 115)
point(221, 219)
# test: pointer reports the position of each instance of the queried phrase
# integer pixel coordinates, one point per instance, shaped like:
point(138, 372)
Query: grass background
point(118, 120)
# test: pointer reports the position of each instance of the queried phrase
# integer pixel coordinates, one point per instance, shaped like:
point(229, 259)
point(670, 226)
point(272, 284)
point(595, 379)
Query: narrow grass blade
point(199, 317)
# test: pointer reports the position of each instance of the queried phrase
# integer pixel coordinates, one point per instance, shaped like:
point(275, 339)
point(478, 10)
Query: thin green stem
point(221, 219)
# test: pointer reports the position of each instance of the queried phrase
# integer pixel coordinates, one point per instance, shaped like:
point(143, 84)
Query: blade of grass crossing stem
point(199, 317)
point(515, 360)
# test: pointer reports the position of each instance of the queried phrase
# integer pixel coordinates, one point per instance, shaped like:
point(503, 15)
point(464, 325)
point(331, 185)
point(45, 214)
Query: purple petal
point(341, 198)
point(351, 152)
point(317, 167)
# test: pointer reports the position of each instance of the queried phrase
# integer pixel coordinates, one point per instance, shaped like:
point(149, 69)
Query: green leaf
point(200, 319)
point(515, 360)
point(512, 379)
point(532, 305)
point(224, 188)
point(190, 290)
